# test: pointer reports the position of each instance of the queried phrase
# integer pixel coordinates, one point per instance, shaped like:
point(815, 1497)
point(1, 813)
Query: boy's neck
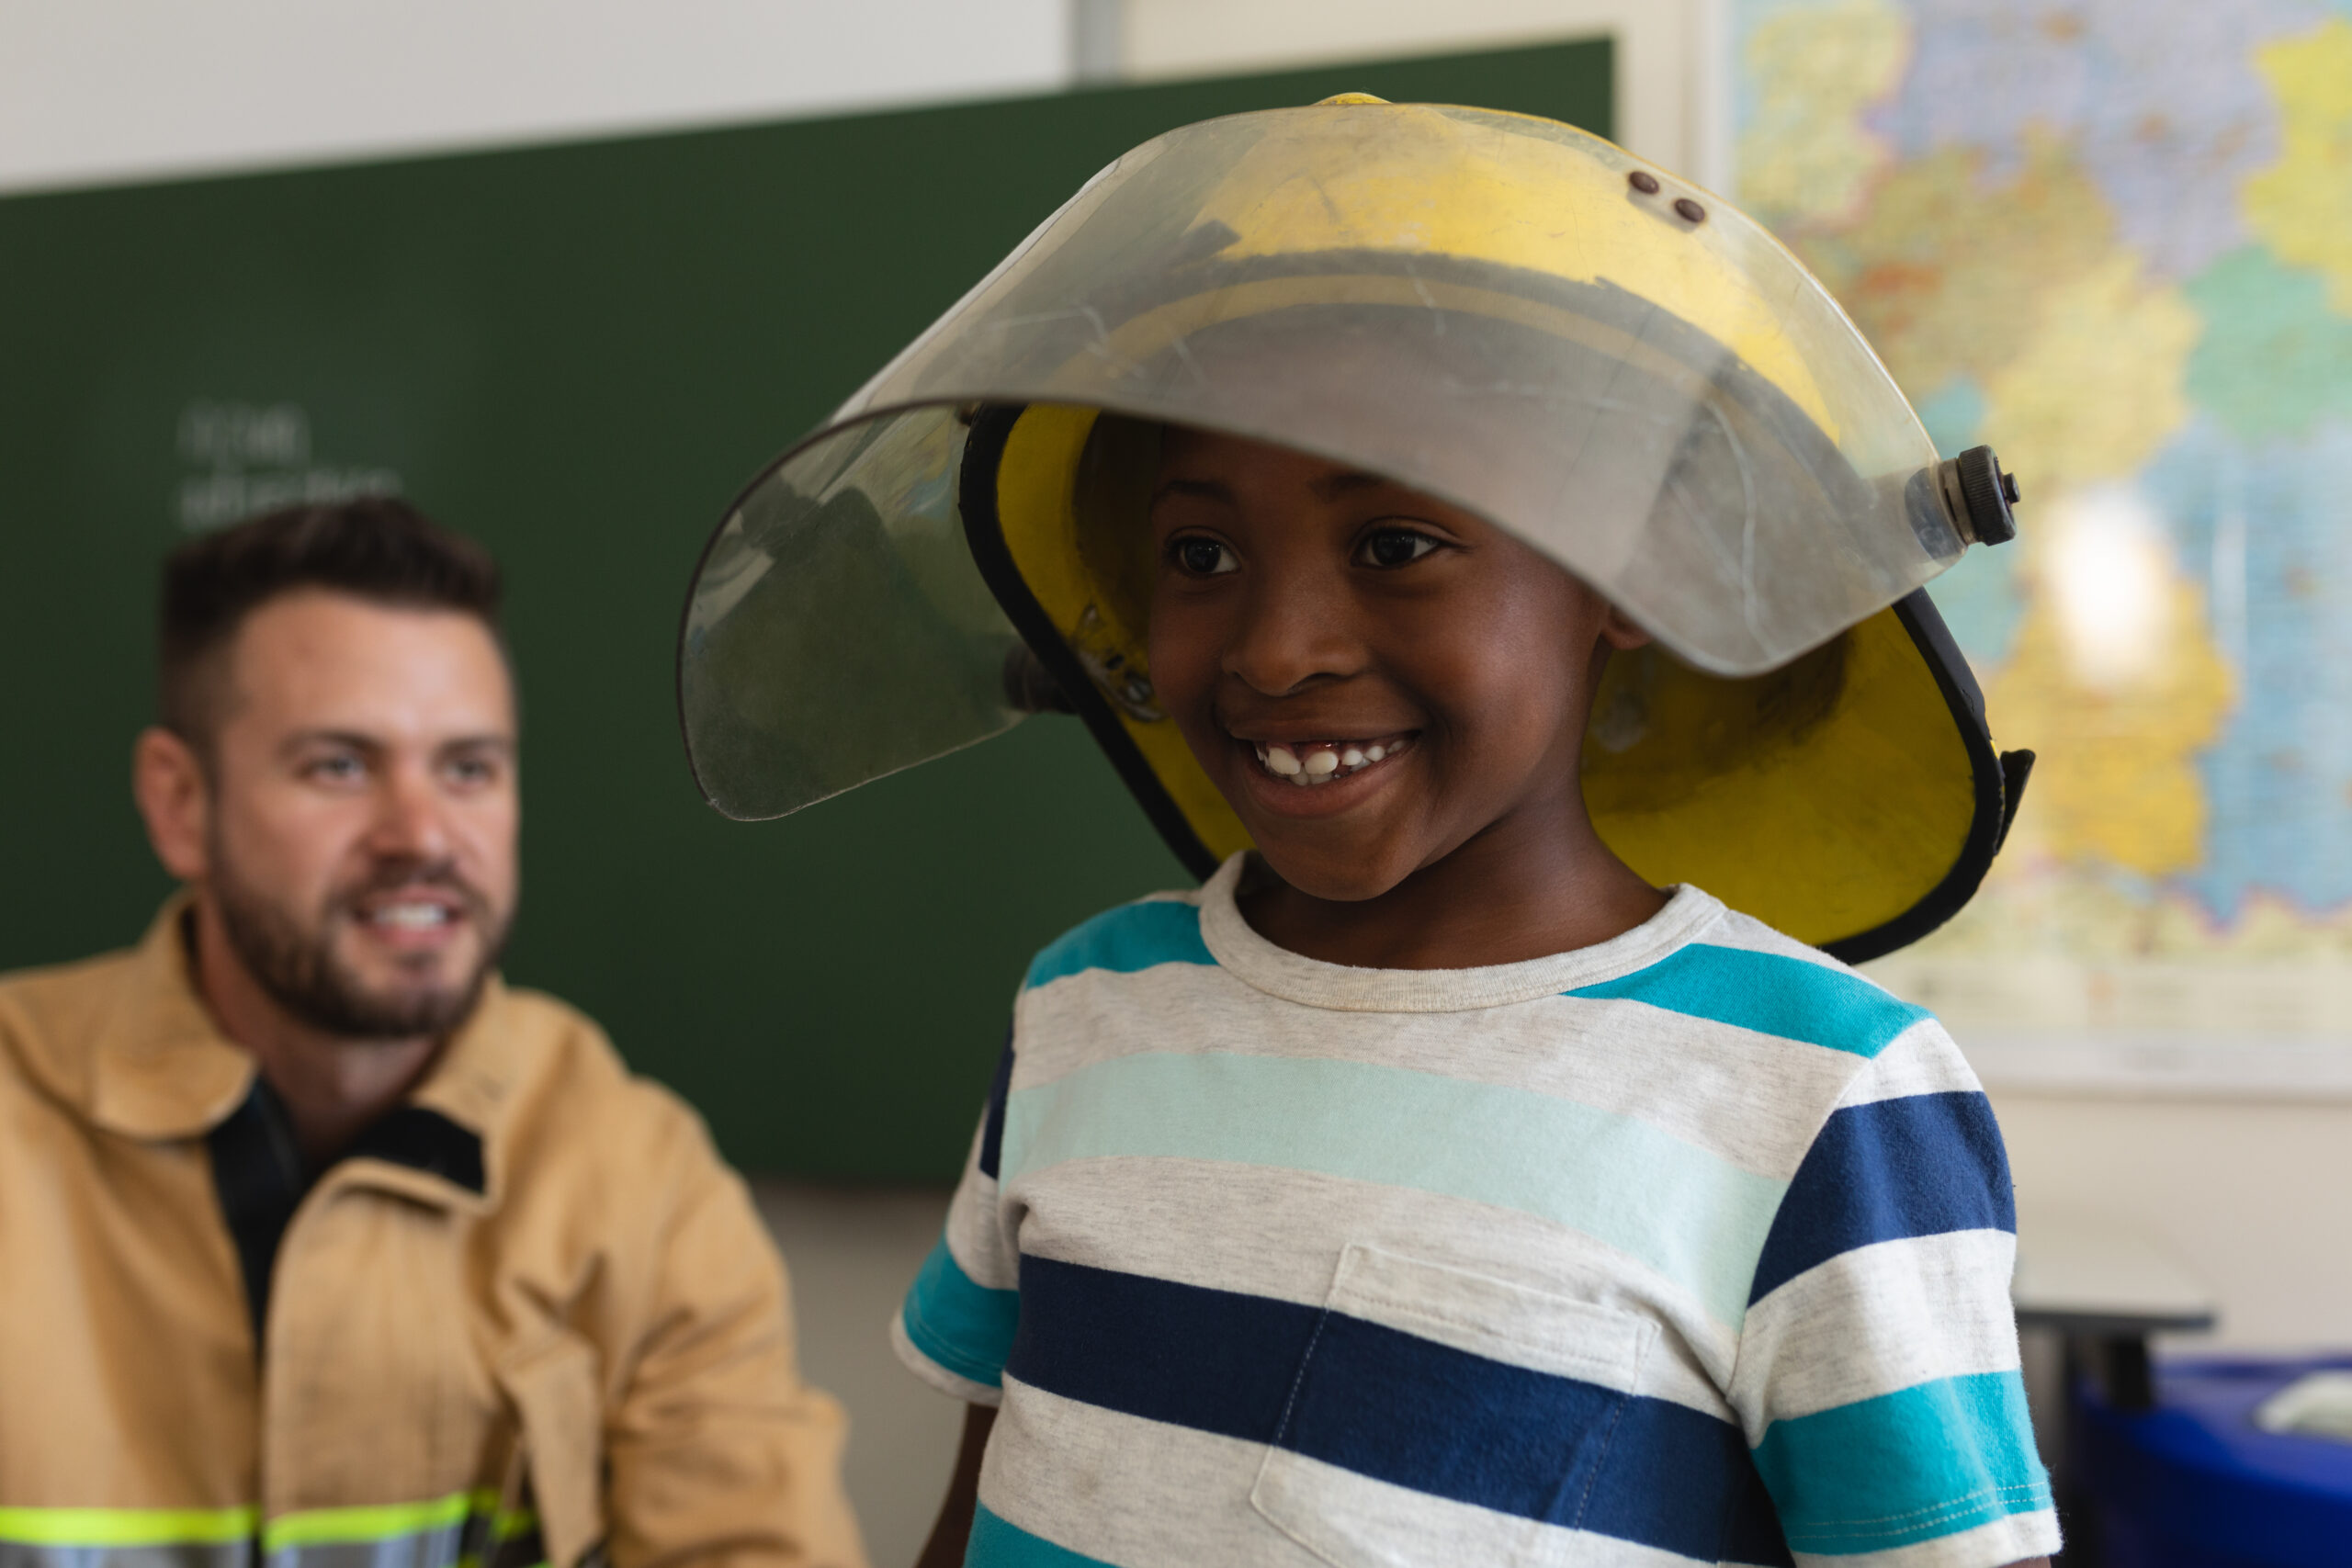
point(1528, 885)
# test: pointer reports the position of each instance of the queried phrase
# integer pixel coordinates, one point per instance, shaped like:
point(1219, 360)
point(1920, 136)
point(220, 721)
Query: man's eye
point(473, 770)
point(1393, 547)
point(333, 769)
point(1203, 558)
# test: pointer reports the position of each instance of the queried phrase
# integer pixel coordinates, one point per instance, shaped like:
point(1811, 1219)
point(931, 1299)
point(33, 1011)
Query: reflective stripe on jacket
point(468, 1529)
point(528, 1317)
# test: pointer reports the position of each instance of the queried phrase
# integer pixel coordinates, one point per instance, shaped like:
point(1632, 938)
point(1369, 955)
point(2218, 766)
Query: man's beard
point(299, 968)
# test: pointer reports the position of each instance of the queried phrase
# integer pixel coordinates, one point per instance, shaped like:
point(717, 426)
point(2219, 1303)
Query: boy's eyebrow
point(1207, 490)
point(1330, 488)
point(1338, 485)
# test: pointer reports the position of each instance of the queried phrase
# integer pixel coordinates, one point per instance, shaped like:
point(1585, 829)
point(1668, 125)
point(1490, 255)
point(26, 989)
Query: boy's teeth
point(1322, 761)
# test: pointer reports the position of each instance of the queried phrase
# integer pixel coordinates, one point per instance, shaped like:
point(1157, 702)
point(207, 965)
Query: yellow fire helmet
point(1502, 312)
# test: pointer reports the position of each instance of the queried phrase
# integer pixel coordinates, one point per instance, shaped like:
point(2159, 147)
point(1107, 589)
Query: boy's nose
point(1291, 634)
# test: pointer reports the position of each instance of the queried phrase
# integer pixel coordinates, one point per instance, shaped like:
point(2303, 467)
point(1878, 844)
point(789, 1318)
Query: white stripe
point(1876, 1319)
point(1920, 1060)
point(1753, 1099)
point(934, 1374)
point(1279, 1234)
point(975, 1232)
point(1747, 932)
point(1999, 1541)
point(1494, 1318)
point(1346, 1517)
point(1119, 1488)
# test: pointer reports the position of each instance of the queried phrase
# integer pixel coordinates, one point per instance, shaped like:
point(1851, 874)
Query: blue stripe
point(966, 1328)
point(1926, 1462)
point(1770, 993)
point(992, 1124)
point(1387, 1405)
point(995, 1543)
point(1921, 1165)
point(1133, 937)
point(1695, 1217)
point(1670, 1465)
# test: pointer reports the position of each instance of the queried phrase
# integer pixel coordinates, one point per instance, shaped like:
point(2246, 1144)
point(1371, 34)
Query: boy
point(1437, 1184)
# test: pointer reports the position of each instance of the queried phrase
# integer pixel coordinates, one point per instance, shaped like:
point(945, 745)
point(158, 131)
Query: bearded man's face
point(361, 841)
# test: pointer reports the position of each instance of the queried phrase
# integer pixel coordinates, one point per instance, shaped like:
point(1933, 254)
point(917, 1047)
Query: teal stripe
point(1925, 1461)
point(1696, 1218)
point(1771, 995)
point(1136, 936)
point(996, 1544)
point(966, 1328)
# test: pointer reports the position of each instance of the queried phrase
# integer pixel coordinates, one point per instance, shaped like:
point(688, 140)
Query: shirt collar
point(1241, 952)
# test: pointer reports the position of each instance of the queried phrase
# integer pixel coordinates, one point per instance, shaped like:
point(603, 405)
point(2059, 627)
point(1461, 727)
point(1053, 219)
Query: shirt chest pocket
point(1442, 1416)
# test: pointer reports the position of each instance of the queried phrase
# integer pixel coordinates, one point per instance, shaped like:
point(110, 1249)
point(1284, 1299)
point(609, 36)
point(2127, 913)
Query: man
point(316, 1242)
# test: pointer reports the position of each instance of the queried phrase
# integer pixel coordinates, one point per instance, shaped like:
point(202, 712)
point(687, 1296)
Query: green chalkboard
point(578, 353)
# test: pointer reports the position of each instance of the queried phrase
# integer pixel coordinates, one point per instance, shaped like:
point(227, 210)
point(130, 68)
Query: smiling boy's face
point(1371, 677)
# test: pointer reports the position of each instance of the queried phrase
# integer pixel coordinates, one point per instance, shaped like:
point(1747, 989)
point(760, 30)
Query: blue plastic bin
point(2195, 1484)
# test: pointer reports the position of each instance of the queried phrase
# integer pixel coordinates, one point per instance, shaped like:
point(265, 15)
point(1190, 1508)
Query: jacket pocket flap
point(554, 1388)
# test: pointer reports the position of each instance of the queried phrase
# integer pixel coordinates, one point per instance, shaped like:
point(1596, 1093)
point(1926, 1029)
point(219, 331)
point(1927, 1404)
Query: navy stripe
point(1921, 1165)
point(1214, 1360)
point(1679, 1479)
point(1387, 1405)
point(1754, 1535)
point(1426, 1415)
point(992, 1125)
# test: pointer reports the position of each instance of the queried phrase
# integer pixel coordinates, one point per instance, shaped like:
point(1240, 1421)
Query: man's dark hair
point(378, 549)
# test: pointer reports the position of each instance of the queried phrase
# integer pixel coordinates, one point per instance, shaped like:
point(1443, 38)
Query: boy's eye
point(1201, 557)
point(1393, 547)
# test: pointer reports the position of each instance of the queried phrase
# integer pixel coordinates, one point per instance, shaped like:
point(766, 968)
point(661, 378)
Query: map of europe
point(2113, 239)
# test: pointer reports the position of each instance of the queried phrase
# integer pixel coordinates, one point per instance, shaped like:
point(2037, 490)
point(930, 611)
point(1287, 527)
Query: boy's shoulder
point(1162, 927)
point(1735, 970)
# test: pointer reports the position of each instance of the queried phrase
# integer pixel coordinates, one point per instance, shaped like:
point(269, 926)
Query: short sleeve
point(954, 1328)
point(1878, 1375)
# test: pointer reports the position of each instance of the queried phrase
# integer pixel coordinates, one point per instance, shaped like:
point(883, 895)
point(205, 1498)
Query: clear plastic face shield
point(1504, 312)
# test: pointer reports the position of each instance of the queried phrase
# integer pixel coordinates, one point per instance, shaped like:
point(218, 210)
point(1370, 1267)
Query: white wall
point(104, 91)
point(2253, 1196)
point(852, 1256)
point(95, 91)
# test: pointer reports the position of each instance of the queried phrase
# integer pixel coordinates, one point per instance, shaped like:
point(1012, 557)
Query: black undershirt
point(260, 1176)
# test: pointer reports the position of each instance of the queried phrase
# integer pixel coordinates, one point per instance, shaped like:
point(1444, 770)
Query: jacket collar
point(159, 1066)
point(160, 1069)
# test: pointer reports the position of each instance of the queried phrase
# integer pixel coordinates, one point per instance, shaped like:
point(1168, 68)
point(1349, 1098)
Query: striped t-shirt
point(1691, 1246)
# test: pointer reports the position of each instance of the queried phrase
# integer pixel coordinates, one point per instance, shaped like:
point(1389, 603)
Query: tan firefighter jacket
point(528, 1318)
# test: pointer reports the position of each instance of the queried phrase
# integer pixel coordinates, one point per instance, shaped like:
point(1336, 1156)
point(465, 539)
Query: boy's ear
point(1620, 632)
